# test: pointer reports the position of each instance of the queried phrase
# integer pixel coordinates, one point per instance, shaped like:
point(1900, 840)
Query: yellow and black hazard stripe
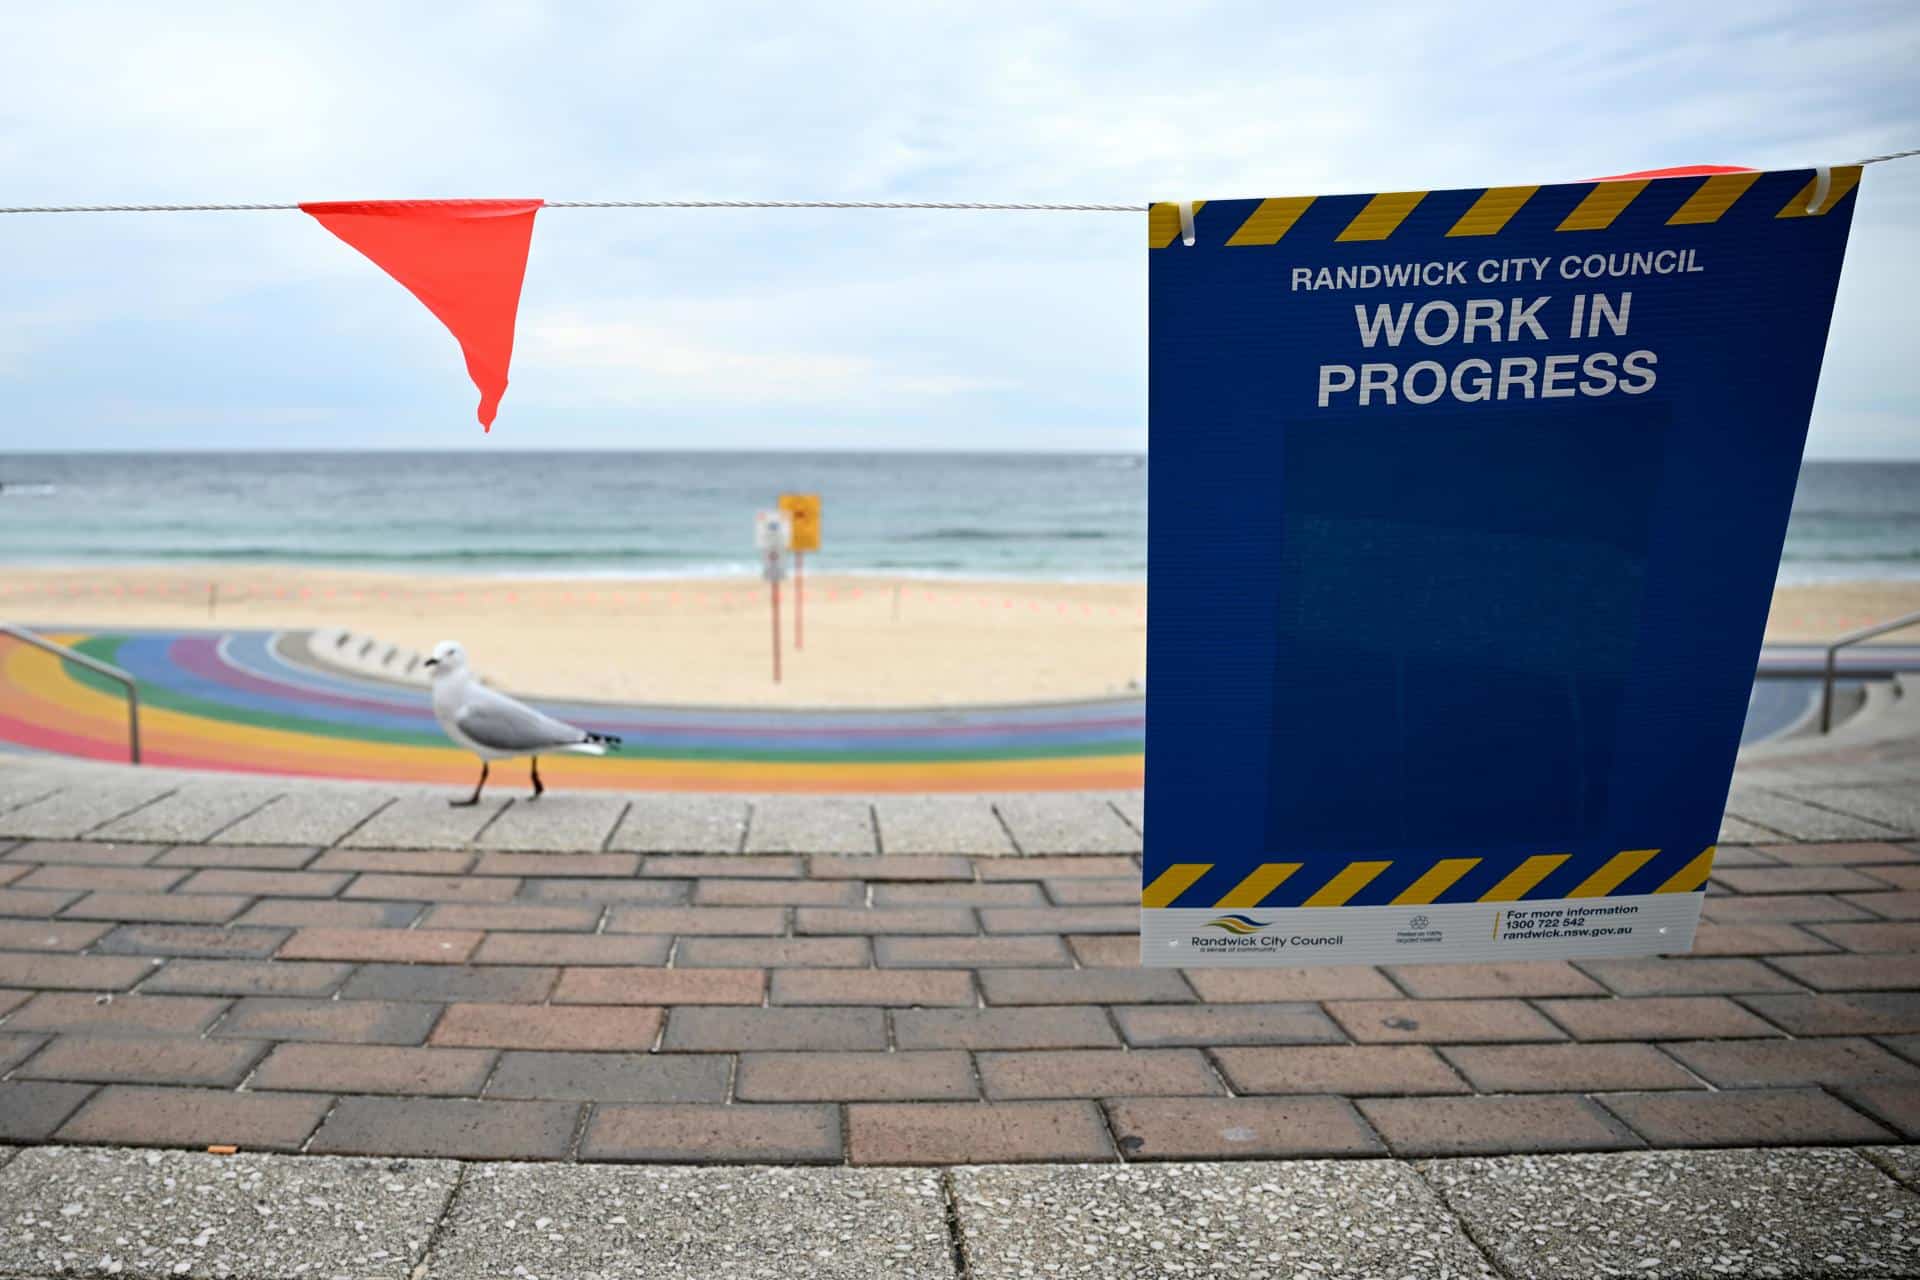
point(1493, 208)
point(1423, 881)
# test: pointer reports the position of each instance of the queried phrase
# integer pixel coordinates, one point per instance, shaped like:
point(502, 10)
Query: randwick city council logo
point(1238, 924)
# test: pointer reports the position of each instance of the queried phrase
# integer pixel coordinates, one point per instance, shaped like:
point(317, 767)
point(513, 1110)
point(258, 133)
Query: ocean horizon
point(659, 514)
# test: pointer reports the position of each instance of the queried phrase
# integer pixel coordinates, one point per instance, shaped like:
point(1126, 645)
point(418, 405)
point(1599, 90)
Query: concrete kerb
point(165, 1214)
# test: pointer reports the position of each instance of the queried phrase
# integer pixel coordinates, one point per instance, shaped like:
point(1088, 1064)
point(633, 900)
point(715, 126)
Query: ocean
point(1057, 516)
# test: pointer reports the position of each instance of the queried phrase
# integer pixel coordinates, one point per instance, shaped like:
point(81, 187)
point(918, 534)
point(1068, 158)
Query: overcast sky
point(829, 330)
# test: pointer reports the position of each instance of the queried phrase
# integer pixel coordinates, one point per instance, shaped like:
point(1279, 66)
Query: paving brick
point(1521, 980)
point(1754, 940)
point(891, 921)
point(738, 866)
point(317, 817)
point(571, 1027)
point(134, 1014)
point(661, 986)
point(11, 1000)
point(133, 1116)
point(774, 953)
point(368, 1068)
point(1822, 879)
point(1053, 868)
point(611, 865)
point(1265, 986)
point(730, 922)
point(1904, 905)
point(426, 862)
point(455, 1127)
point(85, 853)
point(1687, 975)
point(71, 973)
point(1904, 877)
point(333, 1021)
point(777, 893)
point(194, 812)
point(957, 893)
point(1743, 1118)
point(1441, 1021)
point(1067, 1027)
point(1567, 1068)
point(1220, 1024)
point(247, 978)
point(757, 1030)
point(1869, 852)
point(31, 1110)
point(1044, 822)
point(572, 949)
point(1008, 952)
point(10, 873)
point(1853, 972)
point(1866, 1014)
point(613, 1077)
point(1655, 1018)
point(159, 908)
point(424, 822)
point(38, 904)
point(1355, 1070)
point(1785, 908)
point(1097, 891)
point(1108, 950)
point(921, 1133)
point(201, 941)
point(437, 983)
point(406, 888)
point(940, 824)
point(17, 1048)
point(258, 857)
point(49, 935)
point(1742, 855)
point(147, 1060)
point(873, 987)
point(1239, 1128)
point(1496, 1126)
point(1896, 1106)
point(909, 1076)
point(733, 1134)
point(606, 892)
point(1083, 986)
point(811, 824)
point(1750, 1064)
point(556, 823)
point(1097, 1073)
point(1120, 920)
point(282, 884)
point(890, 867)
point(1872, 938)
point(328, 913)
point(400, 946)
point(682, 824)
point(107, 879)
point(515, 918)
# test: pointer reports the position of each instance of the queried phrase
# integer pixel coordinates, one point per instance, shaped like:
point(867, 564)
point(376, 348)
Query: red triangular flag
point(464, 258)
point(1678, 171)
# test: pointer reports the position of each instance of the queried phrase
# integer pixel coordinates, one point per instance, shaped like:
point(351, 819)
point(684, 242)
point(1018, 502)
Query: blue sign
point(1466, 512)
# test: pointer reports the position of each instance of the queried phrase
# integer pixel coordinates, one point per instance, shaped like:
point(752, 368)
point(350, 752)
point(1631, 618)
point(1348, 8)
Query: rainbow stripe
point(239, 701)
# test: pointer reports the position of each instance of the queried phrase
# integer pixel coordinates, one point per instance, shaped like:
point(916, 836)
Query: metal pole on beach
point(774, 583)
point(799, 597)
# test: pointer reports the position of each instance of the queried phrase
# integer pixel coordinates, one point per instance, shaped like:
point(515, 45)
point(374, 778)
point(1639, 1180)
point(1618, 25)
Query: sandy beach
point(869, 641)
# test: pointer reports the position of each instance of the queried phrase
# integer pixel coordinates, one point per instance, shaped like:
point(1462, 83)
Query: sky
point(829, 330)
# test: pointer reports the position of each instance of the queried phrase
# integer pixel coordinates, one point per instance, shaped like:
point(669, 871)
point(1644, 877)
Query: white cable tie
point(1822, 183)
point(1186, 221)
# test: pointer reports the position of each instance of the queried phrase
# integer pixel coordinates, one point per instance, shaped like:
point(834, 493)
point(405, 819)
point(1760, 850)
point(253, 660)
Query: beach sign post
point(803, 535)
point(770, 535)
point(1467, 509)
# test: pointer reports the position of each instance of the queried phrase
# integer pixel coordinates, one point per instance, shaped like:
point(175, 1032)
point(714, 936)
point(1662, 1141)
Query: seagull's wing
point(499, 723)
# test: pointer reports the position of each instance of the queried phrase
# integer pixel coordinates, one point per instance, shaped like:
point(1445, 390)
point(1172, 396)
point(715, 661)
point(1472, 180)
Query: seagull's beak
point(433, 662)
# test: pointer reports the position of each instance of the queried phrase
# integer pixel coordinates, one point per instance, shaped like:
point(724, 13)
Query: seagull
point(496, 727)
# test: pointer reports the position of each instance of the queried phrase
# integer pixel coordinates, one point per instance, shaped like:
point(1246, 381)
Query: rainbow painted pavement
point(257, 702)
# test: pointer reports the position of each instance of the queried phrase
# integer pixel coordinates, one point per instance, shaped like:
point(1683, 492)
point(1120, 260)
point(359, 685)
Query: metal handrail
point(111, 672)
point(1854, 637)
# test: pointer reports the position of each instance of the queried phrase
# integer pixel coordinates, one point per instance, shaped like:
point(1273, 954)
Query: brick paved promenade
point(332, 968)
